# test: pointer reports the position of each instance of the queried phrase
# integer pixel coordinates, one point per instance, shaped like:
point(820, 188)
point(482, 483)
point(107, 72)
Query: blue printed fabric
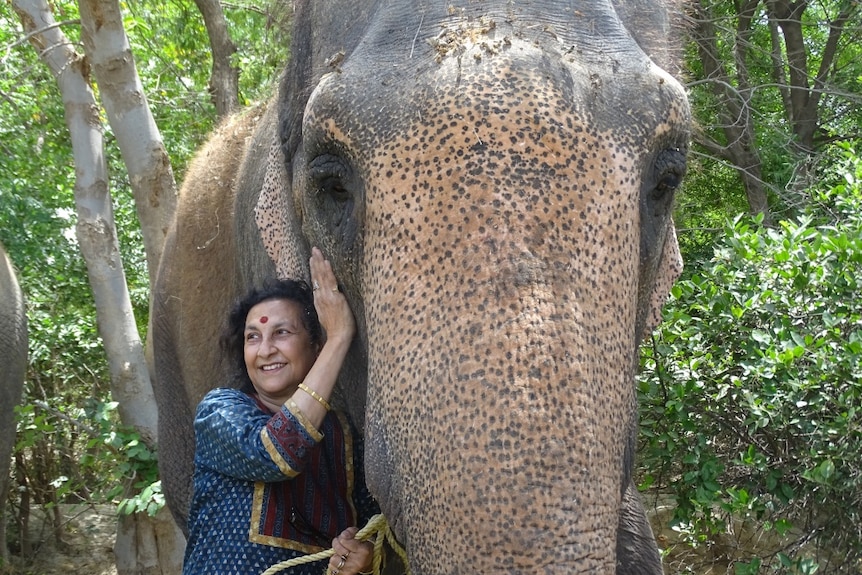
point(270, 487)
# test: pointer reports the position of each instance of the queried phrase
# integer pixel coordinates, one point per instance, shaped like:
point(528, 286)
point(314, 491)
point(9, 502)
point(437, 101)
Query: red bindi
point(263, 319)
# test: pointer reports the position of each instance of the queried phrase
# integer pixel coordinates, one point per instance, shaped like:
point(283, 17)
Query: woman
point(277, 474)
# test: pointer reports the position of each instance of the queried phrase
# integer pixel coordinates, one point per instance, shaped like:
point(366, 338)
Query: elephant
point(13, 354)
point(493, 183)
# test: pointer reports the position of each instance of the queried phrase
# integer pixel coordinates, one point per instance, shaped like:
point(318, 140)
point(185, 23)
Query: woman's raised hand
point(334, 313)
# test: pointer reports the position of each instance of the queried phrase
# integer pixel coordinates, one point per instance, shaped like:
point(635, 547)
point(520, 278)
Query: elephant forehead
point(497, 156)
point(516, 223)
point(635, 104)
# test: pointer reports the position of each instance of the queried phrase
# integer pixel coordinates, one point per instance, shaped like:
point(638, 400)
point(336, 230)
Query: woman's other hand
point(352, 556)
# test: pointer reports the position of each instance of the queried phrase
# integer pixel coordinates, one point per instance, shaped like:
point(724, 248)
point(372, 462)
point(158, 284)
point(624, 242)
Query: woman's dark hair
point(233, 336)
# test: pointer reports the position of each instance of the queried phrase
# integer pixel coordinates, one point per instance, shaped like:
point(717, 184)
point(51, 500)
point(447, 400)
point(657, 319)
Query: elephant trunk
point(520, 401)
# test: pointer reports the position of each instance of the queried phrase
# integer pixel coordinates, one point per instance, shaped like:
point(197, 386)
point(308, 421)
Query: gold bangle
point(316, 396)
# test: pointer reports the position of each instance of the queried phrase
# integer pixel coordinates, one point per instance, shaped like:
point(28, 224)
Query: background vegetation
point(751, 442)
point(751, 390)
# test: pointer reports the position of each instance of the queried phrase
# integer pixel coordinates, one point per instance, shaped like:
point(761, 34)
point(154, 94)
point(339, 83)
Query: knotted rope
point(377, 527)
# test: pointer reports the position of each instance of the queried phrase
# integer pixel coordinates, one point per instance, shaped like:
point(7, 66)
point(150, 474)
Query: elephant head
point(493, 183)
point(13, 351)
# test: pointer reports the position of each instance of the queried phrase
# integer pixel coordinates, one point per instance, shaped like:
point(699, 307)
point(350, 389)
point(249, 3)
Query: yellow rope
point(377, 527)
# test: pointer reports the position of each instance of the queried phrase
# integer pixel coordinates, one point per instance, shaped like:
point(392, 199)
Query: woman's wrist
point(341, 339)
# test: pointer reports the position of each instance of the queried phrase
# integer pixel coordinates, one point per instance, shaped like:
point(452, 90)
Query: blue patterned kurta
point(262, 480)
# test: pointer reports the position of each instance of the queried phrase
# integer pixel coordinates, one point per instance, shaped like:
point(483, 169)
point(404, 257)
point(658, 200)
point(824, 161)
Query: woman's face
point(277, 349)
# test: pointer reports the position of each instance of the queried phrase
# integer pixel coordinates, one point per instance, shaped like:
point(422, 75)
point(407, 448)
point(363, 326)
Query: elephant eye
point(335, 196)
point(669, 169)
point(328, 174)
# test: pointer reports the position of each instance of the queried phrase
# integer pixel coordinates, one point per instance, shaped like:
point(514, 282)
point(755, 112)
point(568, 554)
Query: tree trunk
point(735, 117)
point(22, 519)
point(96, 232)
point(150, 175)
point(224, 81)
point(144, 544)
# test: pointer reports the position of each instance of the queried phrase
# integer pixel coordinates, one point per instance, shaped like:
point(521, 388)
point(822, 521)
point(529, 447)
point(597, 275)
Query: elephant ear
point(669, 270)
point(269, 242)
point(278, 222)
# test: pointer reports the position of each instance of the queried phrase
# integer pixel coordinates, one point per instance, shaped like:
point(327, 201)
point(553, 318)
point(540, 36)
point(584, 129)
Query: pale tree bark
point(159, 544)
point(150, 175)
point(224, 81)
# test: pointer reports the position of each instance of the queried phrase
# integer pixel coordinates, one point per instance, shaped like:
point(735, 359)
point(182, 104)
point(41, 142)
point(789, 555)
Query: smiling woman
point(278, 474)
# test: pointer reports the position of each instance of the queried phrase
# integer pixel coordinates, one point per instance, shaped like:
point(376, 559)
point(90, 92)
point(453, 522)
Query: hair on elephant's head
point(493, 183)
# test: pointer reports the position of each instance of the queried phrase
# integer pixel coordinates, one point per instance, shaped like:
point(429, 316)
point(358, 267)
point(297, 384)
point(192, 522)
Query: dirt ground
point(87, 547)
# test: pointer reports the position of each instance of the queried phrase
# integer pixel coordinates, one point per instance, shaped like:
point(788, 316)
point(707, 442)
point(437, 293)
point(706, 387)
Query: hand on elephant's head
point(334, 312)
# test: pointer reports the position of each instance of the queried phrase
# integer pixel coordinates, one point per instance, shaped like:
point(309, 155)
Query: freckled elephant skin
point(13, 366)
point(493, 184)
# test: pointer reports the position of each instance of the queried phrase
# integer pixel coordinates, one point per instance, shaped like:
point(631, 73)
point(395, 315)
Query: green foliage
point(82, 454)
point(262, 39)
point(751, 389)
point(753, 94)
point(148, 500)
point(171, 48)
point(710, 194)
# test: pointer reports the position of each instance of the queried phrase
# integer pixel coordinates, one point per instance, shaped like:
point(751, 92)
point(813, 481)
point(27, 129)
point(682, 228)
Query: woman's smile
point(273, 366)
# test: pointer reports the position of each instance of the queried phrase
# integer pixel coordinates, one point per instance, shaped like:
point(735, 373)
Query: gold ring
point(340, 564)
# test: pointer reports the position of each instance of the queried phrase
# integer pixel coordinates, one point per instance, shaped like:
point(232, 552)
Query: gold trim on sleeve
point(276, 457)
point(303, 420)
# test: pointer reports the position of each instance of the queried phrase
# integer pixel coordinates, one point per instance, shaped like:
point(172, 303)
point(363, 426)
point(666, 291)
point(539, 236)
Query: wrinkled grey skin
point(13, 366)
point(492, 182)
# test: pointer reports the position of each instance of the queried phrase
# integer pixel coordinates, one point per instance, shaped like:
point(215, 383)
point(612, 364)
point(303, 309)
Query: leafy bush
point(86, 454)
point(751, 390)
